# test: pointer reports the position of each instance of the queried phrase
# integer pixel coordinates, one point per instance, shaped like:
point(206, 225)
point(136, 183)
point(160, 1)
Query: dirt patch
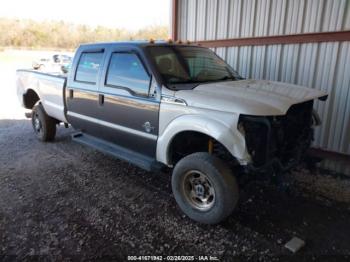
point(320, 183)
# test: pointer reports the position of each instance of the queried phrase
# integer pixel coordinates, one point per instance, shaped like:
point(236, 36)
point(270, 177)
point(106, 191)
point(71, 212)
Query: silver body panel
point(251, 97)
point(49, 87)
point(214, 109)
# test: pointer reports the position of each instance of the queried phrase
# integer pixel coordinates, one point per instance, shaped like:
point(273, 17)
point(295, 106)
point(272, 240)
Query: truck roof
point(137, 43)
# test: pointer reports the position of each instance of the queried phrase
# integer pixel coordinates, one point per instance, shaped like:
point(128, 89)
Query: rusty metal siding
point(323, 66)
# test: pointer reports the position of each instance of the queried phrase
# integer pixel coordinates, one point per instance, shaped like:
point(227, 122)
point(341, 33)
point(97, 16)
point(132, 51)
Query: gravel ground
point(62, 201)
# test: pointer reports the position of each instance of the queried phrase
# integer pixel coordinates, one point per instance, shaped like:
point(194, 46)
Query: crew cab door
point(128, 108)
point(82, 90)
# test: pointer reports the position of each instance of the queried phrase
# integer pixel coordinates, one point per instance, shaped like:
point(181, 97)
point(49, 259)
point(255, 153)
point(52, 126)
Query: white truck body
point(212, 109)
point(49, 87)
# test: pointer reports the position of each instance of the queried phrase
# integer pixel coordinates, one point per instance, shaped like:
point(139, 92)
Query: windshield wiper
point(198, 82)
point(226, 78)
point(189, 81)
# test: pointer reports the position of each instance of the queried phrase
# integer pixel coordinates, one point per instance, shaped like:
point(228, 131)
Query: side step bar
point(142, 161)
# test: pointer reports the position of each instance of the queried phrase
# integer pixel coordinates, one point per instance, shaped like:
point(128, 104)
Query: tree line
point(60, 34)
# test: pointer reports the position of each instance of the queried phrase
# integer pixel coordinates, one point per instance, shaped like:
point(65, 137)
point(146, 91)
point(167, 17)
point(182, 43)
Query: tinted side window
point(126, 70)
point(88, 66)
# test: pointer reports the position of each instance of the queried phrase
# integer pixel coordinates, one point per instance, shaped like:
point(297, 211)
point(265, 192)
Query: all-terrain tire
point(44, 126)
point(217, 177)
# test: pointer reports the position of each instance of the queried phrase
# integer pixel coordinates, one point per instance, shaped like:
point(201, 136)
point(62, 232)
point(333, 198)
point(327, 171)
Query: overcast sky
point(128, 14)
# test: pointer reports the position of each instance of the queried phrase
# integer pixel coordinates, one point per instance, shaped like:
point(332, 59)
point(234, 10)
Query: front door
point(128, 113)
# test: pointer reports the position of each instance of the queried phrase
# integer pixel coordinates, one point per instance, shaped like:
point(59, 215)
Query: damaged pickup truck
point(179, 106)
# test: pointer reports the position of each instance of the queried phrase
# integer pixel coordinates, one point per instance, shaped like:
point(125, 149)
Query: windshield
point(190, 65)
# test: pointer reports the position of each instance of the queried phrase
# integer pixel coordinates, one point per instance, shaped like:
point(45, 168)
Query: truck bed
point(49, 86)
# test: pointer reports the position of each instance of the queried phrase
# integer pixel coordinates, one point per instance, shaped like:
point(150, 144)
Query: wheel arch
point(30, 98)
point(223, 133)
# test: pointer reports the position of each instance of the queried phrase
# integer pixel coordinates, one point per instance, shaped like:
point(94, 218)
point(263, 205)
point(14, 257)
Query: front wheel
point(44, 126)
point(204, 188)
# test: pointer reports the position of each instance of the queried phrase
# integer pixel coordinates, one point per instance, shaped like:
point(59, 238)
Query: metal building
point(305, 42)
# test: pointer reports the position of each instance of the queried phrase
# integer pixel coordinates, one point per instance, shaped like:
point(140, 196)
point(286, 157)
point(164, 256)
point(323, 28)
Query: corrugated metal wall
point(324, 66)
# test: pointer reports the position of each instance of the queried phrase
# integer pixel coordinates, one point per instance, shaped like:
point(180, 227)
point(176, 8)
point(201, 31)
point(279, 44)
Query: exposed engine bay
point(278, 141)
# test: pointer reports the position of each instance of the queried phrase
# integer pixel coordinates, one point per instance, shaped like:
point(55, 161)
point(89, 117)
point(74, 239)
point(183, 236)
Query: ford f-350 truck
point(175, 105)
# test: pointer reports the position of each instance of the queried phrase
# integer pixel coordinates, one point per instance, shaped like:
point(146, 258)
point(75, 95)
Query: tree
point(60, 34)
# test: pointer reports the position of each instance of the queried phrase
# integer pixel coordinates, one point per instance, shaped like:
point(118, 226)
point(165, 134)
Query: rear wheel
point(204, 188)
point(44, 126)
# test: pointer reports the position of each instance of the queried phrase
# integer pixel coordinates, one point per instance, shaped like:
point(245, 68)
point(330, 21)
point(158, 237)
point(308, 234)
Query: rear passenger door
point(82, 91)
point(128, 108)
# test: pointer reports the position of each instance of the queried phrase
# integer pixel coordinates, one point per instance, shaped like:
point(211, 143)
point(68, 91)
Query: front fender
point(222, 129)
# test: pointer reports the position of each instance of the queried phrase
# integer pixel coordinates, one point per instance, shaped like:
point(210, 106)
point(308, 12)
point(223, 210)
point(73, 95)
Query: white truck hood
point(251, 97)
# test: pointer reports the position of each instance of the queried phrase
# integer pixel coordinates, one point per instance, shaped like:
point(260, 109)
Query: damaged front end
point(277, 143)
